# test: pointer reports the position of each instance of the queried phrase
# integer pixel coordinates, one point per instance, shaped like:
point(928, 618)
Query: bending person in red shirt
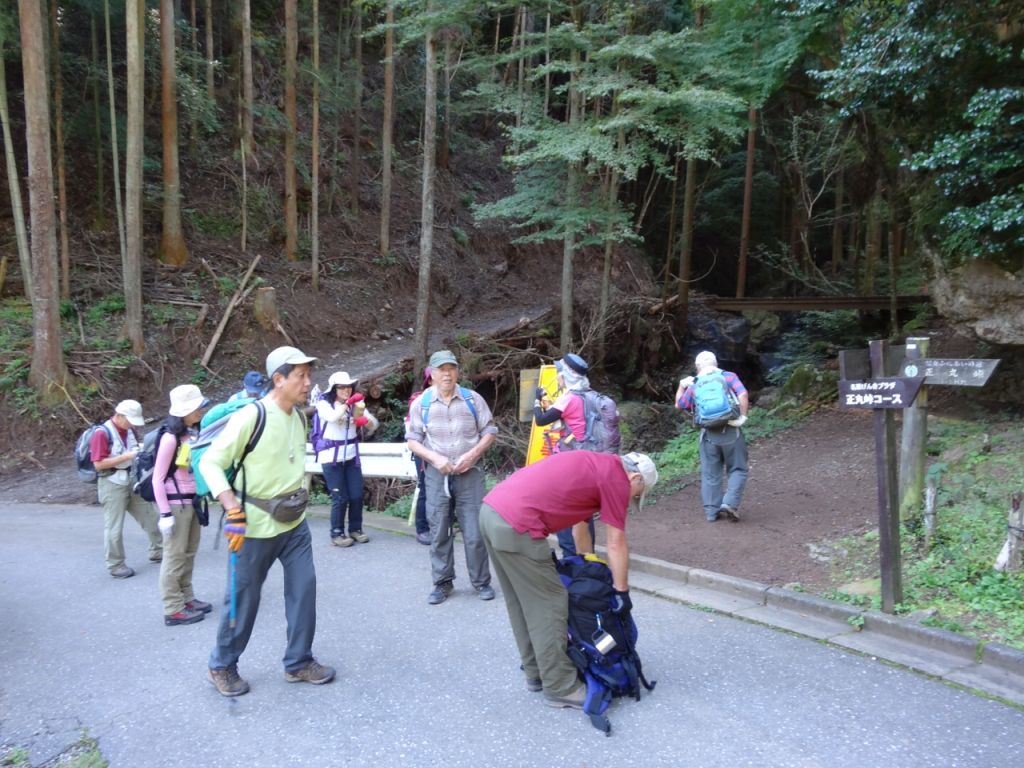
point(516, 517)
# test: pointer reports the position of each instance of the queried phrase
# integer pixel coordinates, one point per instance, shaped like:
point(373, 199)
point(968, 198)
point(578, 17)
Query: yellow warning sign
point(544, 439)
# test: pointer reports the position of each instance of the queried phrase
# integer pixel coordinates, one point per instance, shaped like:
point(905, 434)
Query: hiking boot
point(122, 572)
point(440, 593)
point(729, 513)
point(575, 700)
point(314, 672)
point(156, 557)
point(485, 592)
point(342, 541)
point(359, 536)
point(227, 681)
point(713, 518)
point(198, 605)
point(534, 685)
point(424, 537)
point(184, 616)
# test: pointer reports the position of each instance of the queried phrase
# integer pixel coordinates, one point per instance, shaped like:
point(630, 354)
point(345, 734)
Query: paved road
point(424, 685)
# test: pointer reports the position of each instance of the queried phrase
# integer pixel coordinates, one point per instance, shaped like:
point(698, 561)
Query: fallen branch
point(282, 332)
point(74, 405)
point(32, 458)
point(235, 300)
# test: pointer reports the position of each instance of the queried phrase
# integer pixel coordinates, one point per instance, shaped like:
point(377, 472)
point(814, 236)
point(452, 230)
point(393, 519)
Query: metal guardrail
point(377, 460)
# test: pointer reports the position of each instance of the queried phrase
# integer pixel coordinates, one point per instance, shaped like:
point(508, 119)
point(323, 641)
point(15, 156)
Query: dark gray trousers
point(295, 551)
point(467, 491)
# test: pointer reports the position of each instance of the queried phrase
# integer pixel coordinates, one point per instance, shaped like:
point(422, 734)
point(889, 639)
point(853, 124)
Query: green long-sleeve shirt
point(270, 470)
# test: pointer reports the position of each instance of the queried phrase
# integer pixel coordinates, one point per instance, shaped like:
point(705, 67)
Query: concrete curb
point(990, 668)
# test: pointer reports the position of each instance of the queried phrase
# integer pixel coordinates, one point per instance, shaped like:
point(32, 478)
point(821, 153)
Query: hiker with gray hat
point(450, 428)
point(564, 490)
point(269, 524)
point(113, 449)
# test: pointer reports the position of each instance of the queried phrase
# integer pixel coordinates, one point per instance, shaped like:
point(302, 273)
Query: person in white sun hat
point(342, 419)
point(174, 492)
point(113, 449)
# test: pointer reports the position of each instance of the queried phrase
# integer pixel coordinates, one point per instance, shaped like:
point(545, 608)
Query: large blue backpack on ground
point(212, 425)
point(616, 672)
point(714, 404)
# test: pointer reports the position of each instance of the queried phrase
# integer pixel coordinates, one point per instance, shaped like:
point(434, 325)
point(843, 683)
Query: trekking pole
point(233, 605)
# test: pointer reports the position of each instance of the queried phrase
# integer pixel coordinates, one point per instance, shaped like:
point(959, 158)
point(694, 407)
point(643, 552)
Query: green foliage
point(399, 507)
point(99, 314)
point(214, 223)
point(954, 577)
point(978, 171)
point(947, 87)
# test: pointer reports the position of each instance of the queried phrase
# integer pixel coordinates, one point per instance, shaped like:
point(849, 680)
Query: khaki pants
point(116, 500)
point(537, 603)
point(179, 559)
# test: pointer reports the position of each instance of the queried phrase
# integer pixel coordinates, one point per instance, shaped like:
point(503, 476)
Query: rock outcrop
point(983, 299)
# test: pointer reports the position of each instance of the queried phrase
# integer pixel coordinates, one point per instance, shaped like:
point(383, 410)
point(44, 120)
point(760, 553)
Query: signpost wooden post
point(883, 396)
point(936, 372)
point(877, 380)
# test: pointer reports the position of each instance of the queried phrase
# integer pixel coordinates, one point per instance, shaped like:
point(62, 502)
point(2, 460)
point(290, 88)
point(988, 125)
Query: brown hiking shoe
point(359, 536)
point(314, 672)
point(342, 541)
point(227, 681)
point(122, 572)
point(575, 699)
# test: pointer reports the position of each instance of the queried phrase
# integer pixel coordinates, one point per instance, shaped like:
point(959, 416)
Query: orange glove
point(234, 529)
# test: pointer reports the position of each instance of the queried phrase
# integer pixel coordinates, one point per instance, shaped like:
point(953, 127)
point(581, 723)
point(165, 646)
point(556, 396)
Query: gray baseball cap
point(286, 356)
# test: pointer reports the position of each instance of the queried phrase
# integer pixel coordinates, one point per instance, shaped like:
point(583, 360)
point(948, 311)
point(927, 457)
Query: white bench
point(393, 460)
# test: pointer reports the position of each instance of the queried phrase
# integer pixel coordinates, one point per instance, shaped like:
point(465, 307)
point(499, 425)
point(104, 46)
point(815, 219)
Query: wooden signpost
point(942, 372)
point(883, 395)
point(886, 379)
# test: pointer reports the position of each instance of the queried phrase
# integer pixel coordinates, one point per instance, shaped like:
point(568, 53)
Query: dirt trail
point(810, 483)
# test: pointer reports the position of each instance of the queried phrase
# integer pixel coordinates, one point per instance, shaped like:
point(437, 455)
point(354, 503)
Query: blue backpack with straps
point(212, 425)
point(714, 404)
point(428, 397)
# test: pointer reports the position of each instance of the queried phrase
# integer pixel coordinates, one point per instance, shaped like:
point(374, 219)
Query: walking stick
point(233, 609)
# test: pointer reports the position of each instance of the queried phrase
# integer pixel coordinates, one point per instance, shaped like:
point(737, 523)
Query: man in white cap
point(450, 428)
point(269, 523)
point(516, 517)
point(722, 447)
point(113, 449)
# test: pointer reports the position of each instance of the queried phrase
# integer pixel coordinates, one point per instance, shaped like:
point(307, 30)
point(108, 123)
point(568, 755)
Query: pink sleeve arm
point(161, 465)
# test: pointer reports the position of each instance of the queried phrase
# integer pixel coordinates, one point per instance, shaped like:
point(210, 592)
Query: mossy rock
point(809, 383)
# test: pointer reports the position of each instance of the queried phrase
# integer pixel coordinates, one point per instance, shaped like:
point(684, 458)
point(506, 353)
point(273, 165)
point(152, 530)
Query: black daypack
point(145, 463)
point(617, 671)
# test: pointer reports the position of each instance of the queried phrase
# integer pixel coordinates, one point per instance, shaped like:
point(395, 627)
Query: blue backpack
point(428, 396)
point(212, 425)
point(616, 672)
point(714, 404)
